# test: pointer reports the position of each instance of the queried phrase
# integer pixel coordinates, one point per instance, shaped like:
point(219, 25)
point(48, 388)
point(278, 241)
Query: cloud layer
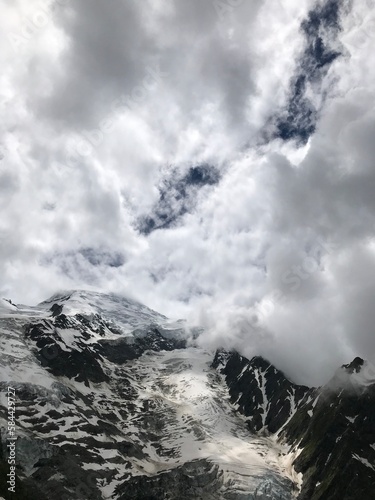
point(241, 131)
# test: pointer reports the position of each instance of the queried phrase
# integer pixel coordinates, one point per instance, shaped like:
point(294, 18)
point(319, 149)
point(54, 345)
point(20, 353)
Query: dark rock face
point(82, 364)
point(71, 482)
point(199, 479)
point(355, 365)
point(261, 392)
point(56, 309)
point(83, 361)
point(336, 432)
point(128, 348)
point(25, 489)
point(332, 426)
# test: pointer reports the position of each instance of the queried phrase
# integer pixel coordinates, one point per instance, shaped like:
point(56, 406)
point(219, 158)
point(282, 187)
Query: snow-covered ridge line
point(323, 429)
point(134, 413)
point(125, 314)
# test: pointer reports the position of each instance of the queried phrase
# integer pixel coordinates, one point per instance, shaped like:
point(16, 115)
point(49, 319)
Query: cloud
point(177, 196)
point(321, 29)
point(159, 111)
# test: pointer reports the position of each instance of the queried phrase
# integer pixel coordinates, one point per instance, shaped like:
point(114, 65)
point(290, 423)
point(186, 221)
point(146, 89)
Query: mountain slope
point(329, 431)
point(336, 435)
point(260, 391)
point(116, 401)
point(113, 403)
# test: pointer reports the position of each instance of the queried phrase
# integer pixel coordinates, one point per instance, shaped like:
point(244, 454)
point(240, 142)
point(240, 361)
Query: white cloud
point(220, 80)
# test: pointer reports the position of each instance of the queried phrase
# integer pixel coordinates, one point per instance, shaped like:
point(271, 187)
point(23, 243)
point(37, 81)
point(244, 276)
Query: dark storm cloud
point(108, 51)
point(105, 54)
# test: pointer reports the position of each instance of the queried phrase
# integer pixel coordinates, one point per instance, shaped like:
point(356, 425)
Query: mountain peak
point(355, 365)
point(259, 391)
point(357, 376)
point(88, 297)
point(123, 311)
point(7, 304)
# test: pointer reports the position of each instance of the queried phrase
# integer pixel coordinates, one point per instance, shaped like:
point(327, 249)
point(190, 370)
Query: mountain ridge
point(333, 424)
point(115, 401)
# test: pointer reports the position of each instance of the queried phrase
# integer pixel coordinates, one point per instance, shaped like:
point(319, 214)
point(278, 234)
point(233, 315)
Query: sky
point(213, 159)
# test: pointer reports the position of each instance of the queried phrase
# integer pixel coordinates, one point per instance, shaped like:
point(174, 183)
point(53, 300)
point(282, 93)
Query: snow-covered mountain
point(116, 401)
point(329, 431)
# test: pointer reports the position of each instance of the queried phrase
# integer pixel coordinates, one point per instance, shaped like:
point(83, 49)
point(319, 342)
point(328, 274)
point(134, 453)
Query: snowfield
point(201, 421)
point(142, 417)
